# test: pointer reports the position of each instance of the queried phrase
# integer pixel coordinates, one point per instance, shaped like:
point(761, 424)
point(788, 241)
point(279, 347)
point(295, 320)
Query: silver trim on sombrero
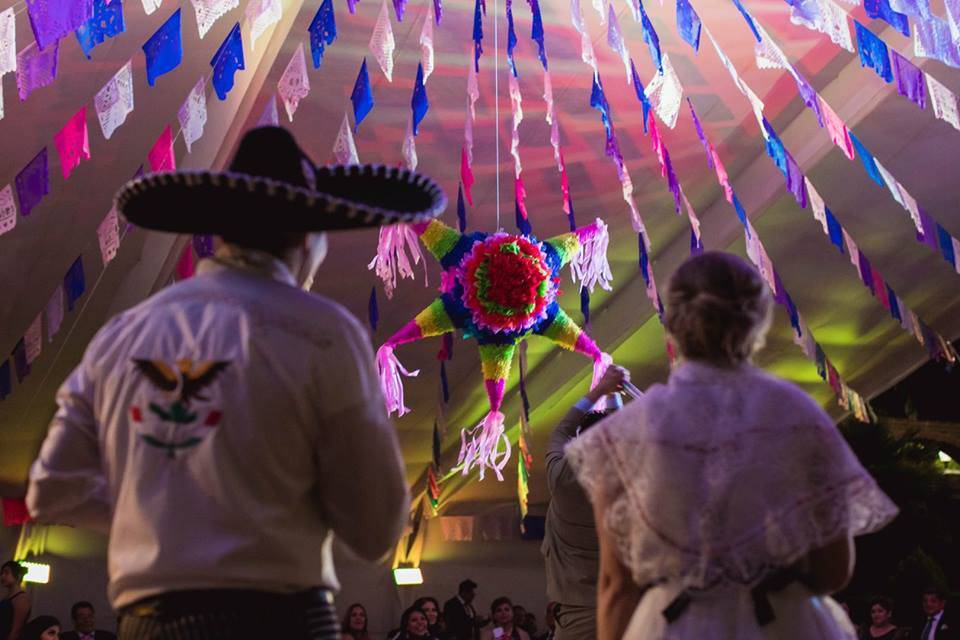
point(348, 208)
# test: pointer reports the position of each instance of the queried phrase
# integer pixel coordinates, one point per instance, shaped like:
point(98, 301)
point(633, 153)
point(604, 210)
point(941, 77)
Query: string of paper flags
point(663, 95)
point(859, 406)
point(803, 336)
point(690, 26)
point(113, 103)
point(934, 38)
point(666, 108)
point(929, 231)
point(801, 187)
point(796, 182)
point(689, 23)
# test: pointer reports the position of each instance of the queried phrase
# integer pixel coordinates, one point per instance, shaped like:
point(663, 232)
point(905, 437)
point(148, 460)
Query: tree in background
point(920, 547)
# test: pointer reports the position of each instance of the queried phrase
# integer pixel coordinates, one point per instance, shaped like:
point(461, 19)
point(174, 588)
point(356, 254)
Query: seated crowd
point(424, 620)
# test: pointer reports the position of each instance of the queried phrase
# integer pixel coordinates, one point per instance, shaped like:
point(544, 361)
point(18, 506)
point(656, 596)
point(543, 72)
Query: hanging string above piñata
point(498, 289)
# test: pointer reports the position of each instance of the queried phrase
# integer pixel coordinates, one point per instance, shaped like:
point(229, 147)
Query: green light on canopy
point(944, 457)
point(407, 576)
point(37, 572)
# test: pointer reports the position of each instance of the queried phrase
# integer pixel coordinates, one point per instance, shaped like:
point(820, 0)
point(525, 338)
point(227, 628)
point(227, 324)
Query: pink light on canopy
point(870, 350)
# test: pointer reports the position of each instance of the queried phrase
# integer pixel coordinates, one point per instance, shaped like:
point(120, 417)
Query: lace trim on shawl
point(850, 504)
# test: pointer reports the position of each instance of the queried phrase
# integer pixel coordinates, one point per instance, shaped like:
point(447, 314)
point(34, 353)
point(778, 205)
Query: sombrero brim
point(346, 197)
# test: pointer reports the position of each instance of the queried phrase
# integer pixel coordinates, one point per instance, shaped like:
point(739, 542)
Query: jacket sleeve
point(67, 484)
point(362, 483)
point(559, 472)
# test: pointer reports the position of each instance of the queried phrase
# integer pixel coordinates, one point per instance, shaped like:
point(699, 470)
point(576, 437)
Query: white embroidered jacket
point(223, 431)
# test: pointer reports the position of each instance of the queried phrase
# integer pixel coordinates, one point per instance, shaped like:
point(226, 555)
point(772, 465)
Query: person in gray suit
point(570, 548)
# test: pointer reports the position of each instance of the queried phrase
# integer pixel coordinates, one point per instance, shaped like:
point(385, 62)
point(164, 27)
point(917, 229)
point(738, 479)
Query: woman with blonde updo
point(725, 500)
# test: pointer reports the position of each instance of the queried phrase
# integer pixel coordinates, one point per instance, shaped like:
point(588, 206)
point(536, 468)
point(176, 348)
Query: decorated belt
point(179, 603)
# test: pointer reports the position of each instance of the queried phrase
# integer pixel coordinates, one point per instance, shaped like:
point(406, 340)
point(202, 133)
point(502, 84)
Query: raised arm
point(559, 473)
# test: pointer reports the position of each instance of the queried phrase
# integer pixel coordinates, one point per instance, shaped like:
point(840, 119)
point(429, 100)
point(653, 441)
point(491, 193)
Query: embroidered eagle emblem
point(183, 382)
point(186, 381)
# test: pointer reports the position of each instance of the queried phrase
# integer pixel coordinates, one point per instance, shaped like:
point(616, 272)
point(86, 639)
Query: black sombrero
point(273, 184)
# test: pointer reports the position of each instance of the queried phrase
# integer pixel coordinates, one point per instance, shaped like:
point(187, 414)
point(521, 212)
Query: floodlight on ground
point(37, 572)
point(407, 576)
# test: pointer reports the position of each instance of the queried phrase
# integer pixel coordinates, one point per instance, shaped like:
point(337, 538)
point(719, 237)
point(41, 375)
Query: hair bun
point(718, 308)
point(709, 303)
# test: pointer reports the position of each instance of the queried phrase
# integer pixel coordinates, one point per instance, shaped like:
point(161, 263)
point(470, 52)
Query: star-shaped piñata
point(499, 288)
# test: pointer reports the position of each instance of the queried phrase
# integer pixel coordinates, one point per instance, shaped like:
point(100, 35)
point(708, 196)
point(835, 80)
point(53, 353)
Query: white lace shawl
point(721, 475)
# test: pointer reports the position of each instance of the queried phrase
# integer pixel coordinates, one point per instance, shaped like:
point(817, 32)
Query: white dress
point(715, 481)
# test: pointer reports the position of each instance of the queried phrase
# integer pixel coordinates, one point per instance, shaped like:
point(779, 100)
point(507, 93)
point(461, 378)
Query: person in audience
point(502, 625)
point(414, 625)
point(459, 614)
point(354, 625)
point(570, 548)
point(520, 617)
point(41, 628)
point(224, 430)
point(84, 624)
point(15, 606)
point(551, 621)
point(431, 608)
point(530, 624)
point(881, 625)
point(725, 500)
point(936, 624)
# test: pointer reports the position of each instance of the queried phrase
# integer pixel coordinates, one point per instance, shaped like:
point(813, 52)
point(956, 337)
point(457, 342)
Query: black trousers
point(232, 614)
